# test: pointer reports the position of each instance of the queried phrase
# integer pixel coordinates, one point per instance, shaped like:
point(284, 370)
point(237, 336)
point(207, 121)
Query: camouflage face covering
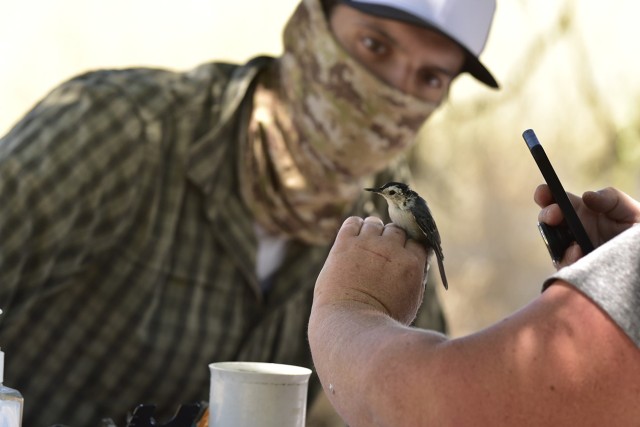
point(321, 125)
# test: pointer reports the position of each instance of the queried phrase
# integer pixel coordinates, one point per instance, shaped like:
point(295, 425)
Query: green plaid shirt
point(127, 259)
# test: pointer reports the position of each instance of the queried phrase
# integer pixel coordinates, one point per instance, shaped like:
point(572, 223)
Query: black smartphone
point(558, 238)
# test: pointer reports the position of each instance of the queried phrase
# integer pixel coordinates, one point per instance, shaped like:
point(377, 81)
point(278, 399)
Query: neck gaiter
point(321, 124)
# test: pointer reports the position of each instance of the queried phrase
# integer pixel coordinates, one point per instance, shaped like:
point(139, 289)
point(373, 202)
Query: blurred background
point(568, 69)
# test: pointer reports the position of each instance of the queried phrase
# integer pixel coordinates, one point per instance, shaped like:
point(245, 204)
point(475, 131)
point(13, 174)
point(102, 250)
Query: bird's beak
point(374, 190)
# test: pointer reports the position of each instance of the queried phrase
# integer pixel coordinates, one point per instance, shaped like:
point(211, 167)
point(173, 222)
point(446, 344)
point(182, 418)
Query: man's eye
point(432, 80)
point(374, 45)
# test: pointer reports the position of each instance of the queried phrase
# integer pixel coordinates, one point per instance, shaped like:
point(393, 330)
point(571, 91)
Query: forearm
point(558, 360)
point(357, 352)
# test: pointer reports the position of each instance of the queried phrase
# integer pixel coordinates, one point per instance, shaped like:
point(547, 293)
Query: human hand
point(604, 213)
point(374, 266)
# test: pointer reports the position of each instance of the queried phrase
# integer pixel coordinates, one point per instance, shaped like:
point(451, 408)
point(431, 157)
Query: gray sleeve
point(610, 276)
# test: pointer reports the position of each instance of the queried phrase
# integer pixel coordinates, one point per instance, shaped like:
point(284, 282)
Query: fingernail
point(543, 213)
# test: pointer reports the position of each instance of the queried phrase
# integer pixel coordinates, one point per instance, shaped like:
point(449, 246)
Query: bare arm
point(558, 360)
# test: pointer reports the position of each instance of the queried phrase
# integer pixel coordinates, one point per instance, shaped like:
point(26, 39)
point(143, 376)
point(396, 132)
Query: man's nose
point(403, 77)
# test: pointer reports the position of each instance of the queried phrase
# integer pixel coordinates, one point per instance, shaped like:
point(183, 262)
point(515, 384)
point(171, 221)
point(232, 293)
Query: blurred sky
point(43, 42)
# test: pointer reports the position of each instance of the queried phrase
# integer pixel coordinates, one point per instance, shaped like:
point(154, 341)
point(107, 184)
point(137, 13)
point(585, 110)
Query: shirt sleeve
point(67, 185)
point(610, 276)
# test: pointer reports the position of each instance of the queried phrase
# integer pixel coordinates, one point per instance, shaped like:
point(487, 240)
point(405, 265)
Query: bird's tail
point(443, 276)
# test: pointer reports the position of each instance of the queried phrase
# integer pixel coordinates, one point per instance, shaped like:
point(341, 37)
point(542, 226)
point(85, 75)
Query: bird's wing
point(427, 224)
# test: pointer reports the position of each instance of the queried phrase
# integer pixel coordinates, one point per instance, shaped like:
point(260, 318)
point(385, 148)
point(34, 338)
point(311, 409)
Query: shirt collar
point(206, 154)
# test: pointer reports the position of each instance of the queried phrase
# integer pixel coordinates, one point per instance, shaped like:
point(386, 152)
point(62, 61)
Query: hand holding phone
point(559, 238)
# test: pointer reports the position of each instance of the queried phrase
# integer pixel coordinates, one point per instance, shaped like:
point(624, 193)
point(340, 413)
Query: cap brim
point(472, 64)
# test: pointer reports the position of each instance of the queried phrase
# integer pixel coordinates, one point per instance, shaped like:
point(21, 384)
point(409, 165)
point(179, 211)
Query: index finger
point(349, 231)
point(542, 195)
point(350, 227)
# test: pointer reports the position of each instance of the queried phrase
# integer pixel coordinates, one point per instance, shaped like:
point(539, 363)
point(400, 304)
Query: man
point(154, 222)
point(570, 357)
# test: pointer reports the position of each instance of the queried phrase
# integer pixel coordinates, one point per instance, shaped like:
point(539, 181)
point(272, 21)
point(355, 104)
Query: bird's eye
point(392, 192)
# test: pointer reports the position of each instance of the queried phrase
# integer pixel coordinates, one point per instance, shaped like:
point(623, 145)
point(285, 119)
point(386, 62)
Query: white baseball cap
point(466, 22)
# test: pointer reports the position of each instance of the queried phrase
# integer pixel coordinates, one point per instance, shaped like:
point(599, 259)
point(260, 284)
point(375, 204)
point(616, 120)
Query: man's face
point(415, 60)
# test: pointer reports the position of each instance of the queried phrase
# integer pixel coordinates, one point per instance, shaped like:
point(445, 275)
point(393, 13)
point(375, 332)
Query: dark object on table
point(186, 416)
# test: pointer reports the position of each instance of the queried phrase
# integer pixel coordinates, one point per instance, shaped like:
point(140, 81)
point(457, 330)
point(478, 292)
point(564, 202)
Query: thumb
point(571, 255)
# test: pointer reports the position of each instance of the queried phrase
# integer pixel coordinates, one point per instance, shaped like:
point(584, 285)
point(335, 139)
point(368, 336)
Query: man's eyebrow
point(446, 71)
point(380, 31)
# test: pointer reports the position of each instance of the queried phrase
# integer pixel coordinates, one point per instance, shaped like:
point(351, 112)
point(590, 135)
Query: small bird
point(410, 212)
